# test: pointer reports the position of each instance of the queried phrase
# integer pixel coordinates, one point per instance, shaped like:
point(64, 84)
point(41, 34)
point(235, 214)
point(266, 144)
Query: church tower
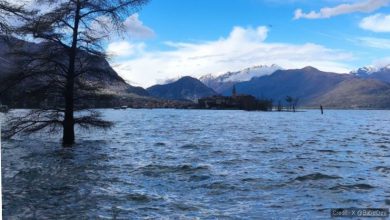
point(234, 92)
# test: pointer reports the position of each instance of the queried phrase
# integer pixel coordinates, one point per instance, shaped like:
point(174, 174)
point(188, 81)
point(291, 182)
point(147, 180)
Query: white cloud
point(380, 43)
point(366, 6)
point(244, 47)
point(376, 23)
point(101, 27)
point(124, 48)
point(136, 29)
point(383, 62)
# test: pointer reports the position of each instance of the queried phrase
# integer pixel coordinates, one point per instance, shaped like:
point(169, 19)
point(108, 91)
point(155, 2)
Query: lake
point(206, 164)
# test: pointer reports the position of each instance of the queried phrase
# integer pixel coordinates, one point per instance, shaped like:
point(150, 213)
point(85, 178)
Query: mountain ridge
point(185, 88)
point(370, 72)
point(112, 88)
point(226, 81)
point(314, 87)
point(111, 80)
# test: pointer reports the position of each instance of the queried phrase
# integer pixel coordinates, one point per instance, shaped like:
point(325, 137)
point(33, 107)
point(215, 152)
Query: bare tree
point(295, 103)
point(279, 106)
point(72, 32)
point(9, 11)
point(292, 102)
point(289, 101)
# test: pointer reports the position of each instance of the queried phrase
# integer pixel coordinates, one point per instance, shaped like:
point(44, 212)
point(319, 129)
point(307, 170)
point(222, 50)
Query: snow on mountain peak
point(243, 75)
point(387, 67)
point(363, 71)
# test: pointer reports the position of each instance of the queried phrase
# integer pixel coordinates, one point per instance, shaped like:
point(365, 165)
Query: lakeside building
point(241, 102)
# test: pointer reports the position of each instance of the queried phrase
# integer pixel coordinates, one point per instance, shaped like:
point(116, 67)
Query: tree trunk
point(68, 138)
point(68, 135)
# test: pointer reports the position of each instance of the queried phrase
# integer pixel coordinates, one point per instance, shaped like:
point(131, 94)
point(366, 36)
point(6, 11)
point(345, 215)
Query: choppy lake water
point(208, 164)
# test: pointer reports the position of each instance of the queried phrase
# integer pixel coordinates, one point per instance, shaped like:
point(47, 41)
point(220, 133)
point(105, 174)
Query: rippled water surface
point(207, 164)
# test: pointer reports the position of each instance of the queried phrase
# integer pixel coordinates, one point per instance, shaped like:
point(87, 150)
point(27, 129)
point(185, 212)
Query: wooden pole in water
point(322, 110)
point(1, 195)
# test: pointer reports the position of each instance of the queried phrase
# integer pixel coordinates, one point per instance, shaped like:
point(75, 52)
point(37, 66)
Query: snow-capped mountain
point(364, 71)
point(243, 75)
point(384, 68)
point(371, 72)
point(227, 80)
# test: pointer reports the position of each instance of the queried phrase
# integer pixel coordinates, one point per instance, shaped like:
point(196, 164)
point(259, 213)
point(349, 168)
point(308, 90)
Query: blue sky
point(171, 38)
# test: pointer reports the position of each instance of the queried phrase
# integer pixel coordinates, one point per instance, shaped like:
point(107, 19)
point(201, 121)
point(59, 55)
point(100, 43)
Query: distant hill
point(307, 84)
point(356, 93)
point(382, 75)
point(186, 88)
point(314, 87)
point(365, 88)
